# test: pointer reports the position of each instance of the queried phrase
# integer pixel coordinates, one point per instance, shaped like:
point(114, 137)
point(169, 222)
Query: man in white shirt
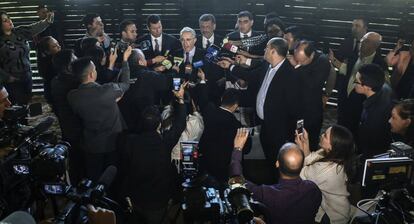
point(157, 43)
point(274, 92)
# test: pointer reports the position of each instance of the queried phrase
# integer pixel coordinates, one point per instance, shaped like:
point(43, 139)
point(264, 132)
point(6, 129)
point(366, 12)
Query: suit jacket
point(281, 107)
point(216, 143)
point(350, 106)
point(96, 106)
point(146, 167)
point(347, 50)
point(217, 40)
point(256, 50)
point(313, 77)
point(213, 73)
point(169, 42)
point(374, 136)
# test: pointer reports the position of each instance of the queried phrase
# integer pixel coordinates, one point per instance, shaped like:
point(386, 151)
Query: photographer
point(146, 168)
point(97, 107)
point(292, 200)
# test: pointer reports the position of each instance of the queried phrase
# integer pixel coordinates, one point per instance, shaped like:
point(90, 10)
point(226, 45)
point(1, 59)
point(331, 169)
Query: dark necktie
point(187, 58)
point(245, 36)
point(157, 47)
point(208, 44)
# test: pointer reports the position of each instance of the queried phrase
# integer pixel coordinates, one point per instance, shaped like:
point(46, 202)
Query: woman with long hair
point(15, 71)
point(402, 121)
point(331, 168)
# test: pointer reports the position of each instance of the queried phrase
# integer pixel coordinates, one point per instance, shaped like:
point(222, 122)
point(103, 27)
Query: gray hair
point(207, 17)
point(188, 30)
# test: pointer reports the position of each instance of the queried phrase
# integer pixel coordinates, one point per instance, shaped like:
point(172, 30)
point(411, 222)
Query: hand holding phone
point(300, 125)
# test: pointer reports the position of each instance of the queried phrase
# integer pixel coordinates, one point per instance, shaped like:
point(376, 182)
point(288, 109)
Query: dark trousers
point(20, 92)
point(96, 163)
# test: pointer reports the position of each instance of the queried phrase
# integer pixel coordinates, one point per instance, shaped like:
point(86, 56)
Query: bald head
point(370, 43)
point(290, 160)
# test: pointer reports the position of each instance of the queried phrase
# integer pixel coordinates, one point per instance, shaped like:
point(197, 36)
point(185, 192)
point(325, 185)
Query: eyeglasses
point(356, 82)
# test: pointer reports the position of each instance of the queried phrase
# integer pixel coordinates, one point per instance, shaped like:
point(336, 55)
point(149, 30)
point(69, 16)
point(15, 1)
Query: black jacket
point(256, 50)
point(281, 108)
point(374, 136)
point(350, 106)
point(169, 42)
point(216, 143)
point(146, 166)
point(212, 71)
point(70, 123)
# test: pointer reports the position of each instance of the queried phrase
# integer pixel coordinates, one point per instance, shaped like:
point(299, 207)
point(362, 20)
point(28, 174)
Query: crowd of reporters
point(117, 104)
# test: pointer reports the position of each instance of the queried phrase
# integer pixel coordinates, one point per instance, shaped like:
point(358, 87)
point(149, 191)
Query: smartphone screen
point(176, 84)
point(300, 126)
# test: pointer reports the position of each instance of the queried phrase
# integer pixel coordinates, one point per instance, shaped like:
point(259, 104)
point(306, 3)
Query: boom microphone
point(108, 176)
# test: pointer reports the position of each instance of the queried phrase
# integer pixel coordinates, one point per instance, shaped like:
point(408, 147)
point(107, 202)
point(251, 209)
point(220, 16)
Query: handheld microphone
point(178, 61)
point(232, 48)
point(198, 64)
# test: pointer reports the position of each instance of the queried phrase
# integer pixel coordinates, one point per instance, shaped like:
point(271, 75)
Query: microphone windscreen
point(19, 217)
point(108, 176)
point(230, 47)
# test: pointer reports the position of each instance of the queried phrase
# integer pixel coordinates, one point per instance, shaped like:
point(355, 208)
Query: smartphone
point(113, 45)
point(55, 189)
point(300, 126)
point(176, 84)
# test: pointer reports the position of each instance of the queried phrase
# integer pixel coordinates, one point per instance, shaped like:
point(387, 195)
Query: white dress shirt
point(249, 34)
point(190, 55)
point(159, 39)
point(261, 95)
point(204, 42)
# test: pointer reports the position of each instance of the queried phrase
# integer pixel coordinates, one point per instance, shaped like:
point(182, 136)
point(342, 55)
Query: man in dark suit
point(245, 24)
point(96, 105)
point(146, 169)
point(207, 23)
point(349, 102)
point(157, 43)
point(313, 69)
point(374, 136)
point(193, 56)
point(350, 47)
point(220, 128)
point(276, 96)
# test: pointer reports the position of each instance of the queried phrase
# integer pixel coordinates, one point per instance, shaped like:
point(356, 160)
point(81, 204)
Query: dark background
point(326, 21)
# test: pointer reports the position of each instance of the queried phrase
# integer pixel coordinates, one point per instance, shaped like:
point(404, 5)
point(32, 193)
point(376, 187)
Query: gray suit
point(97, 107)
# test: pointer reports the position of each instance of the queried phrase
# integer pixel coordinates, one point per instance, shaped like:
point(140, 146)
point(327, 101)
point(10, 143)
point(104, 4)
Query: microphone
point(43, 126)
point(19, 217)
point(108, 176)
point(104, 182)
point(232, 48)
point(178, 61)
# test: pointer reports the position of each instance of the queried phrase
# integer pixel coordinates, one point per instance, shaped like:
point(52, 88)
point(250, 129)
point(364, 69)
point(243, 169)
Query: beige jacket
point(331, 180)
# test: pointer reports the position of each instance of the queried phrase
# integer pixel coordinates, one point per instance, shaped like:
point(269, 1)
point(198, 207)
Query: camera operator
point(146, 169)
point(292, 200)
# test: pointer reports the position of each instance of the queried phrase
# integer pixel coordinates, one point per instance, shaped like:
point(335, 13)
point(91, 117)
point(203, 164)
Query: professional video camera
point(35, 161)
point(204, 200)
point(390, 177)
point(86, 193)
point(14, 119)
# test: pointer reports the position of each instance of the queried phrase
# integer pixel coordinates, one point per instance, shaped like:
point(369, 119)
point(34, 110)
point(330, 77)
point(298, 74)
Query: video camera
point(86, 193)
point(38, 159)
point(203, 201)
